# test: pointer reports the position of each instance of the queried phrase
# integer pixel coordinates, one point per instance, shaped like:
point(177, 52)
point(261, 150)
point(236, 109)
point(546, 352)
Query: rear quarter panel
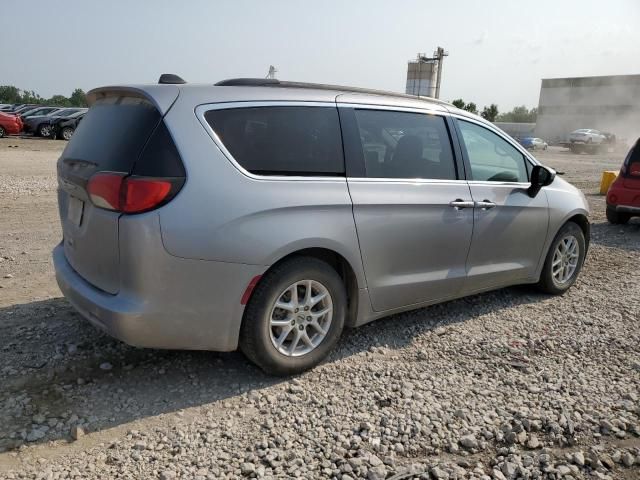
point(224, 215)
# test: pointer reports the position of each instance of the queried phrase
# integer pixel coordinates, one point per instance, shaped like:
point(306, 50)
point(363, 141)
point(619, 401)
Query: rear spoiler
point(161, 96)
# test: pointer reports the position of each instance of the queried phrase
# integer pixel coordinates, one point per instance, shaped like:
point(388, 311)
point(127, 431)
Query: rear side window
point(405, 145)
point(282, 140)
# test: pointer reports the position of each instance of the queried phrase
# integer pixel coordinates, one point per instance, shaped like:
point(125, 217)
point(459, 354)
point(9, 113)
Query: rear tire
point(617, 218)
point(44, 130)
point(259, 336)
point(563, 264)
point(2, 132)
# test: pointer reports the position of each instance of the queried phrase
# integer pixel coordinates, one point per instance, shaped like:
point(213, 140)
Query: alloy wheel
point(300, 318)
point(66, 133)
point(565, 259)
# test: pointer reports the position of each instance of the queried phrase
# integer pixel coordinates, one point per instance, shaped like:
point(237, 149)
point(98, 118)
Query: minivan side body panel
point(226, 214)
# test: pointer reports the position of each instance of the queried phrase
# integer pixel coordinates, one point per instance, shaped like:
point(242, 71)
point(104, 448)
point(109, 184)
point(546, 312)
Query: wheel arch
point(580, 217)
point(582, 221)
point(340, 264)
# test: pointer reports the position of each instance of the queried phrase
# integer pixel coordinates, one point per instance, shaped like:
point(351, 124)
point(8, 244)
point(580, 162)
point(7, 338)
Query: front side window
point(492, 158)
point(282, 140)
point(405, 145)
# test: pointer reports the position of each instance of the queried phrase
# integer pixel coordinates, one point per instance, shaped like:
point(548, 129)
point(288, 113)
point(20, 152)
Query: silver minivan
point(270, 215)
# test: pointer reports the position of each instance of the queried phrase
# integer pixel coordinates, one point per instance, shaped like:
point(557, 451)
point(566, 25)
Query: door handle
point(459, 204)
point(485, 205)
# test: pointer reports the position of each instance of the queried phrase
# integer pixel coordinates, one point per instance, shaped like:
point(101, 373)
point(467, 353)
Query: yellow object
point(608, 177)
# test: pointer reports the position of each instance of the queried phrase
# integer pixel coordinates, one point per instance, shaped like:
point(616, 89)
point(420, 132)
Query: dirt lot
point(509, 384)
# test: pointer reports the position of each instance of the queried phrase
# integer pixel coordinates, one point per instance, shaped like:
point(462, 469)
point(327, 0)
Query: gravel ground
point(509, 384)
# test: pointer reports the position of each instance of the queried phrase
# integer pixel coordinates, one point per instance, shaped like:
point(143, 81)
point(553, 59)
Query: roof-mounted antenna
point(272, 72)
point(171, 79)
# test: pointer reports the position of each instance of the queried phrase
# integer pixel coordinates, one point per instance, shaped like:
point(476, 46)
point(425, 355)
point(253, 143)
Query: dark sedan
point(40, 125)
point(63, 127)
point(38, 111)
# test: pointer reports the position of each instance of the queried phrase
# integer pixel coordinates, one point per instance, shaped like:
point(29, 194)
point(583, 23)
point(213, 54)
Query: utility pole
point(439, 54)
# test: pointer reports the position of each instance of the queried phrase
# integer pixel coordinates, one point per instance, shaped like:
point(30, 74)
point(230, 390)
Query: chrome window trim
point(368, 106)
point(414, 181)
point(202, 109)
point(501, 134)
point(503, 184)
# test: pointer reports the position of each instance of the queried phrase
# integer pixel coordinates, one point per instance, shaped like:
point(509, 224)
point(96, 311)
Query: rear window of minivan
point(282, 140)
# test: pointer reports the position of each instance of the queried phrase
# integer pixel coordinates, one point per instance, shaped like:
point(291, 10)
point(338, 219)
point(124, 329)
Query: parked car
point(63, 127)
point(533, 143)
point(623, 197)
point(38, 111)
point(39, 125)
point(18, 109)
point(586, 135)
point(269, 215)
point(9, 124)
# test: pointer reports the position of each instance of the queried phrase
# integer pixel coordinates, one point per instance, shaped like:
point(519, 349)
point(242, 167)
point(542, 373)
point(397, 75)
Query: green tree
point(9, 94)
point(459, 103)
point(471, 107)
point(519, 114)
point(490, 113)
point(59, 101)
point(29, 96)
point(78, 98)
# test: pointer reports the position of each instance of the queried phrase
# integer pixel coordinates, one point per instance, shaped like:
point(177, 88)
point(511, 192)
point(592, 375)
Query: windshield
point(33, 111)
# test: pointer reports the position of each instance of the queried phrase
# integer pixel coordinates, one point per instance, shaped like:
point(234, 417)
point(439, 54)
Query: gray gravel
point(506, 385)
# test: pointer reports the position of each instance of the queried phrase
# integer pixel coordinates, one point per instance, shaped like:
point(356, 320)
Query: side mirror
point(540, 177)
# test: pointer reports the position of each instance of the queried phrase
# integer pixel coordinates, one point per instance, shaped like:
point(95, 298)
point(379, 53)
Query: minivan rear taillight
point(130, 194)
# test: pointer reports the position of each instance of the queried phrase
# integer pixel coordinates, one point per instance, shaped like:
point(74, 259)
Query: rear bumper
point(196, 307)
point(623, 199)
point(628, 209)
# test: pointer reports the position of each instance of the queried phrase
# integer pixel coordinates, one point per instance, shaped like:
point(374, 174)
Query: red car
point(9, 124)
point(623, 197)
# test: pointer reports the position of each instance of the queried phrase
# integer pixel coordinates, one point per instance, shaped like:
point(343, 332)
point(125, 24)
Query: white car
point(585, 135)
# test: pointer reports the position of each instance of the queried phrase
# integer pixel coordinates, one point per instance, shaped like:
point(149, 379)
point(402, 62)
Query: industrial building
point(608, 103)
point(424, 74)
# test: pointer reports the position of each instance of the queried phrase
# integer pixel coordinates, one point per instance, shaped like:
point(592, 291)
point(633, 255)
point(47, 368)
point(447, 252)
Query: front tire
point(617, 218)
point(66, 133)
point(295, 316)
point(564, 260)
point(2, 132)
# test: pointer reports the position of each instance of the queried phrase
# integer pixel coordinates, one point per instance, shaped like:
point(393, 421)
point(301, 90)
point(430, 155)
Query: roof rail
point(248, 82)
point(273, 82)
point(171, 79)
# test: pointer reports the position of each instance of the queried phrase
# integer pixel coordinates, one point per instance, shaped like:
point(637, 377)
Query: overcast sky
point(499, 49)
